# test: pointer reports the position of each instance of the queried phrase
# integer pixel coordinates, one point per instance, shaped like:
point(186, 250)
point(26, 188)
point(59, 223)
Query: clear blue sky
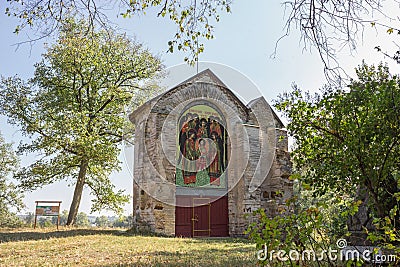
point(244, 40)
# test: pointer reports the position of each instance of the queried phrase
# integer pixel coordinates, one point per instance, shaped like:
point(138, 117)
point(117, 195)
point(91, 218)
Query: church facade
point(204, 160)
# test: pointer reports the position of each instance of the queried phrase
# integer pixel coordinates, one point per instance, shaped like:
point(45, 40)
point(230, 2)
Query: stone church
point(204, 160)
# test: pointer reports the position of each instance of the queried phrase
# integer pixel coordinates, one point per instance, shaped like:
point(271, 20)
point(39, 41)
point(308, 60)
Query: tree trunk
point(73, 210)
point(361, 219)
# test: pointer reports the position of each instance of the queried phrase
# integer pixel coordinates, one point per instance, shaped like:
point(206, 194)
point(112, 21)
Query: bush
point(306, 235)
point(315, 232)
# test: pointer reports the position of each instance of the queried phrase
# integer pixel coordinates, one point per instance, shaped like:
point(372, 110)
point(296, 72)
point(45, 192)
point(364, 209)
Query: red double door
point(201, 216)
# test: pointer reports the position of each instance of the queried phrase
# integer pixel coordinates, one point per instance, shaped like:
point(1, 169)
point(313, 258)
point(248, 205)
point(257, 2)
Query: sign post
point(47, 210)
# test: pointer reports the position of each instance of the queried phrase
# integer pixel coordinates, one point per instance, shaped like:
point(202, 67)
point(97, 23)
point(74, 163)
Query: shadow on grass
point(43, 235)
point(184, 252)
point(209, 257)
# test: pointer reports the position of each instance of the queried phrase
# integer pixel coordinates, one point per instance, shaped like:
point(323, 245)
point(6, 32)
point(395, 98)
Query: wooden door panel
point(201, 217)
point(183, 222)
point(205, 217)
point(219, 217)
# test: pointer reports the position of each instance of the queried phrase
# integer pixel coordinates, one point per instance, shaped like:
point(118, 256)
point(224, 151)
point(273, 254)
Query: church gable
point(197, 144)
point(203, 86)
point(206, 76)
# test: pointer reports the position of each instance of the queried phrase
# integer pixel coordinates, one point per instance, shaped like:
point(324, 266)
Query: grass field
point(93, 247)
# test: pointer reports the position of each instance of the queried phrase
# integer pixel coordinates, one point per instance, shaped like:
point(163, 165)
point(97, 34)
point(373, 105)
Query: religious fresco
point(201, 148)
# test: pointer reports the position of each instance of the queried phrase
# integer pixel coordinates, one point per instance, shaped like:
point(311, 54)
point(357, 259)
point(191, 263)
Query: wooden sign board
point(47, 210)
point(53, 210)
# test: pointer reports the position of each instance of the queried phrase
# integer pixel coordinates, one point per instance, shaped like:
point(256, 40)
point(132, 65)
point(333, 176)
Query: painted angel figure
point(215, 127)
point(215, 168)
point(190, 155)
point(202, 132)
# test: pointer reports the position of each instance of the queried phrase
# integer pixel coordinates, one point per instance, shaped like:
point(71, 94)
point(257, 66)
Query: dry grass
point(92, 247)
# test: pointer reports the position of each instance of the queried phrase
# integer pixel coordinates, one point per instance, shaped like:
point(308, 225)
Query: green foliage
point(194, 19)
point(102, 221)
point(349, 139)
point(10, 195)
point(64, 217)
point(308, 224)
point(123, 221)
point(73, 109)
point(44, 222)
point(29, 219)
point(387, 234)
point(346, 141)
point(8, 218)
point(82, 220)
point(333, 207)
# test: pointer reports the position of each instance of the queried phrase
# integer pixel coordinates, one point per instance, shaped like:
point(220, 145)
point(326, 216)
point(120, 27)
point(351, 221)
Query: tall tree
point(9, 194)
point(102, 221)
point(73, 110)
point(348, 140)
point(194, 19)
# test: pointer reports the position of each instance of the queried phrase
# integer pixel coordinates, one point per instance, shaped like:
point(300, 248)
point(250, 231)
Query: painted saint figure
point(185, 125)
point(193, 123)
point(202, 132)
point(189, 158)
point(215, 168)
point(215, 127)
point(202, 162)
